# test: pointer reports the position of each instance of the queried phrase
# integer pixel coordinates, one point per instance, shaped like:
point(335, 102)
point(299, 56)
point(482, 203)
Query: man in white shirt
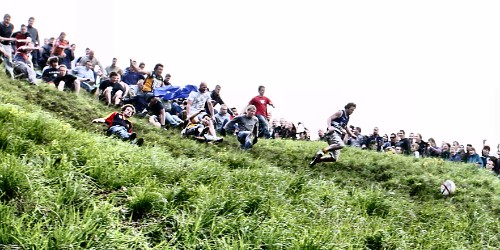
point(196, 104)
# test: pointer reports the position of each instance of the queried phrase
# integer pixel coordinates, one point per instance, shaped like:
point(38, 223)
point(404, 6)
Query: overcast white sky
point(423, 66)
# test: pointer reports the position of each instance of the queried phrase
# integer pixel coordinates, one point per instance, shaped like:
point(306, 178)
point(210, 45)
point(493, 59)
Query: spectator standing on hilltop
point(6, 29)
point(337, 128)
point(78, 61)
point(35, 38)
point(113, 67)
point(261, 102)
point(216, 99)
point(70, 56)
point(46, 51)
point(95, 62)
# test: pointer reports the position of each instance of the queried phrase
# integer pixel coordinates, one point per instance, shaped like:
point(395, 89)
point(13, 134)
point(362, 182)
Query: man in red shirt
point(120, 126)
point(261, 102)
point(22, 37)
point(59, 45)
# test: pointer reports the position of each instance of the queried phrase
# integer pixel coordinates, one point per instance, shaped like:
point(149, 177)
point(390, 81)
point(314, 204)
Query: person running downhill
point(337, 128)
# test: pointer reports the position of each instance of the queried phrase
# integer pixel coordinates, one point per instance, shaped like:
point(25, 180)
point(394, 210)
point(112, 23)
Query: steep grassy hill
point(64, 185)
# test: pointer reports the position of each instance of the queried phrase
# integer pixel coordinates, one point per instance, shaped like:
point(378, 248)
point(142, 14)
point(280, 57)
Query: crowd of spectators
point(54, 62)
point(414, 145)
point(203, 114)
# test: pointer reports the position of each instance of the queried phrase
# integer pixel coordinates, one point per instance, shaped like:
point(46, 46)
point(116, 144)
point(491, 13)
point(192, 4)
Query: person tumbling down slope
point(337, 124)
point(120, 126)
point(248, 127)
point(199, 128)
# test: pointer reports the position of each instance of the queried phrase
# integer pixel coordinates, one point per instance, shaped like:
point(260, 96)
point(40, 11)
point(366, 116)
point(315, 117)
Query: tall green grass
point(64, 185)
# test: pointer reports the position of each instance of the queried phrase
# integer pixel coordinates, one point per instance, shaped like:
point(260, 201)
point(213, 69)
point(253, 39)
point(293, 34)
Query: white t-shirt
point(199, 100)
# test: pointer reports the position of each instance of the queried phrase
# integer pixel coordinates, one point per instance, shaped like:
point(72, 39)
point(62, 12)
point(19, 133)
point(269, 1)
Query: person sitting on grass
point(111, 91)
point(156, 111)
point(120, 126)
point(52, 71)
point(66, 81)
point(248, 127)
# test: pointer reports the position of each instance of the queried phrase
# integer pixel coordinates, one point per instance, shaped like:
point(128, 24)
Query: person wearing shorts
point(337, 128)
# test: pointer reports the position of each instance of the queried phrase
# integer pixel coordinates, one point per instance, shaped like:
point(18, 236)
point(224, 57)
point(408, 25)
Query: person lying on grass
point(120, 126)
point(199, 129)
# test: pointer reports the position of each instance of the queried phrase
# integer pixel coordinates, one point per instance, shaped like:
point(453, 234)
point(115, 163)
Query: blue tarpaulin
point(171, 92)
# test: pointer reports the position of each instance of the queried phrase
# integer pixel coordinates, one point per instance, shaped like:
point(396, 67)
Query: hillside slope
point(63, 184)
